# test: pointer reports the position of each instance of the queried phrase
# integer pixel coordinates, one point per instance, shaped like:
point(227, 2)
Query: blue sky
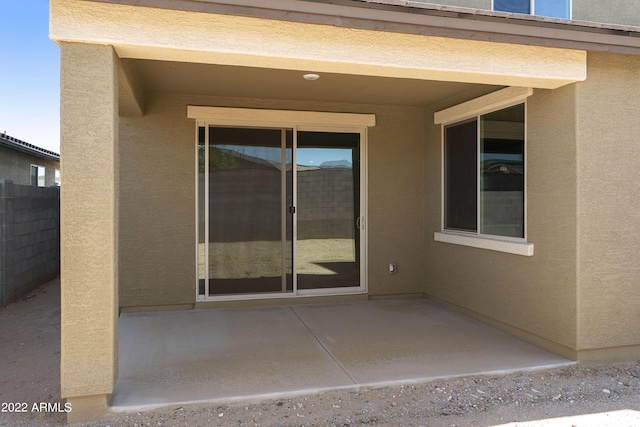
point(30, 80)
point(29, 75)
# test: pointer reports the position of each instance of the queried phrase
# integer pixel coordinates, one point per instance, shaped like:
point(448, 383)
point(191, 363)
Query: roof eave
point(424, 19)
point(26, 148)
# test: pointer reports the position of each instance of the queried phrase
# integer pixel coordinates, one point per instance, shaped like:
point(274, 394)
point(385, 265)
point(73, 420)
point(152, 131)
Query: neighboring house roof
point(25, 147)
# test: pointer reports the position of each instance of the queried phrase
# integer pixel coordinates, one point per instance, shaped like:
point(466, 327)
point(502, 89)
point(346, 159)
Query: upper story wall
point(625, 12)
point(476, 4)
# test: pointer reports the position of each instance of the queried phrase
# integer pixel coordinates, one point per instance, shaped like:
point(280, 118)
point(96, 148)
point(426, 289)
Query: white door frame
point(297, 121)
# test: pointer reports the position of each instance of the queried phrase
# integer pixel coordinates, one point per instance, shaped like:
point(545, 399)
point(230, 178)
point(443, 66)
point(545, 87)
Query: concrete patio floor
point(226, 355)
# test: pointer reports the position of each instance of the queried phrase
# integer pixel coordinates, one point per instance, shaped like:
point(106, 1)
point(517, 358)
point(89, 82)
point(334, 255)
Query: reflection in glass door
point(249, 188)
point(328, 210)
point(255, 208)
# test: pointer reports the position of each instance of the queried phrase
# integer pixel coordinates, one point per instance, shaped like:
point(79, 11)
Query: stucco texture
point(624, 12)
point(157, 228)
point(476, 4)
point(608, 191)
point(532, 296)
point(89, 219)
point(175, 35)
point(157, 206)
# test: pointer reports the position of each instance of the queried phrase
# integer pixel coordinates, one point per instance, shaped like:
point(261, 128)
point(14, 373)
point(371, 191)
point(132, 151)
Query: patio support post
point(89, 227)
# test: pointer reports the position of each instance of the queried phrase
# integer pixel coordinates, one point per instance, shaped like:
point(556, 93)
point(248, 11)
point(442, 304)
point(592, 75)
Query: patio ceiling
point(263, 83)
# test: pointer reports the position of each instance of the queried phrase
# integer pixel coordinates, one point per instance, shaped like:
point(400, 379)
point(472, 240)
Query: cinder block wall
point(245, 205)
point(325, 204)
point(29, 238)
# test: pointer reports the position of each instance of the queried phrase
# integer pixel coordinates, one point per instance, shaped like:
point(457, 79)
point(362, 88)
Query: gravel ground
point(29, 372)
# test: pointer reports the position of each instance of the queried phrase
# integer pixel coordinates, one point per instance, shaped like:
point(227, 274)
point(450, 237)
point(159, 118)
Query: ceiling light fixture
point(311, 77)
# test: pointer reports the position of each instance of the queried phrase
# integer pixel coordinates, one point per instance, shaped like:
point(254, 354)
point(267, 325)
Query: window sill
point(493, 244)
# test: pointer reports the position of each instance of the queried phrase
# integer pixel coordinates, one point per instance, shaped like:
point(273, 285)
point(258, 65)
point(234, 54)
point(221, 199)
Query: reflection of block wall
point(325, 204)
point(29, 238)
point(245, 204)
point(504, 217)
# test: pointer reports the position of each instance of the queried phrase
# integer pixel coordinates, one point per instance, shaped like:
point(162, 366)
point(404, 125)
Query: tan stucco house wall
point(89, 222)
point(131, 72)
point(533, 296)
point(608, 233)
point(157, 262)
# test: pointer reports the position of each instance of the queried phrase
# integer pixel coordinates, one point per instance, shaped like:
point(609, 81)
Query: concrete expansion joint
point(336, 361)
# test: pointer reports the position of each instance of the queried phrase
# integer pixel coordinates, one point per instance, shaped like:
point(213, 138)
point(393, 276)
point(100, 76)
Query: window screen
point(461, 176)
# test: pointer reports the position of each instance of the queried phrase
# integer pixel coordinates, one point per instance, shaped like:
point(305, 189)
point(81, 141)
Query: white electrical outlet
point(393, 268)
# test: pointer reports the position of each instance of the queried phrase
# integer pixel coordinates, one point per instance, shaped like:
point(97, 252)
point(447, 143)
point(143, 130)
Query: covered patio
point(144, 87)
point(248, 354)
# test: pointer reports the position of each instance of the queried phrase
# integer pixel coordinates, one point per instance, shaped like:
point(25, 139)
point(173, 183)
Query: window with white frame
point(56, 178)
point(37, 175)
point(483, 172)
point(550, 8)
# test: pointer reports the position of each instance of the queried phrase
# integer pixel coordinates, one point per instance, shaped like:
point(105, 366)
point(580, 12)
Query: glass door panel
point(248, 196)
point(254, 236)
point(328, 210)
point(202, 213)
point(288, 211)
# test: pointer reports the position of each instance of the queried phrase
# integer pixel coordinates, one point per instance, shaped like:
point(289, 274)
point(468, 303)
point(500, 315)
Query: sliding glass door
point(328, 205)
point(266, 227)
